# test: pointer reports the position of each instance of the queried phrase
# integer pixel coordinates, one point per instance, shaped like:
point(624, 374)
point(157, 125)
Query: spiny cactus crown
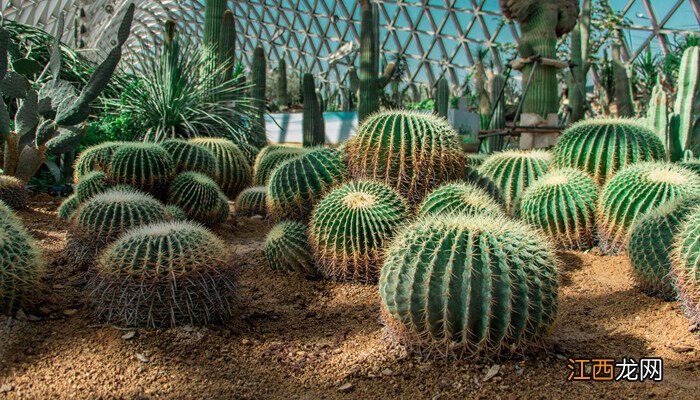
point(686, 264)
point(459, 198)
point(95, 158)
point(287, 249)
point(13, 192)
point(234, 173)
point(200, 197)
point(66, 211)
point(270, 158)
point(145, 166)
point(252, 201)
point(188, 156)
point(90, 184)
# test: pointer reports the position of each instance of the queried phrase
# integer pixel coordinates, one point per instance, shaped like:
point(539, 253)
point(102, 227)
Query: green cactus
point(687, 104)
point(513, 171)
point(282, 98)
point(633, 191)
point(475, 160)
point(251, 202)
point(442, 97)
point(188, 156)
point(249, 151)
point(95, 158)
point(21, 262)
point(145, 166)
point(164, 275)
point(602, 146)
point(287, 249)
point(13, 192)
point(498, 103)
point(66, 211)
point(371, 85)
point(466, 286)
point(657, 113)
point(651, 242)
point(472, 176)
point(233, 171)
point(690, 163)
point(90, 185)
point(200, 197)
point(259, 81)
point(213, 13)
point(562, 204)
point(686, 265)
point(459, 198)
point(227, 43)
point(297, 184)
point(269, 158)
point(350, 227)
point(410, 151)
point(623, 87)
point(313, 126)
point(580, 47)
point(175, 213)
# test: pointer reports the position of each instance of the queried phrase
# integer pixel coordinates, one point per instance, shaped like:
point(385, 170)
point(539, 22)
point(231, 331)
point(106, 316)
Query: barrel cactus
point(188, 156)
point(21, 262)
point(175, 213)
point(163, 275)
point(459, 198)
point(686, 265)
point(68, 206)
point(249, 151)
point(200, 197)
point(145, 166)
point(90, 184)
point(287, 249)
point(251, 202)
point(350, 227)
point(271, 157)
point(603, 146)
point(466, 286)
point(297, 184)
point(633, 191)
point(651, 242)
point(13, 192)
point(562, 204)
point(410, 151)
point(95, 158)
point(233, 172)
point(475, 160)
point(513, 171)
point(474, 177)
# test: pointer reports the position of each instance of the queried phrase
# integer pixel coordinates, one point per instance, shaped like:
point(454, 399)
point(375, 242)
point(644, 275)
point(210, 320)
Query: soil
point(301, 339)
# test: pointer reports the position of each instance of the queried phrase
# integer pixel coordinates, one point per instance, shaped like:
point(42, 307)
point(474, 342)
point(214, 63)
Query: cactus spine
point(66, 211)
point(282, 98)
point(233, 171)
point(259, 80)
point(313, 126)
point(90, 185)
point(13, 192)
point(269, 158)
point(199, 197)
point(442, 97)
point(370, 84)
point(189, 156)
point(686, 264)
point(459, 198)
point(687, 104)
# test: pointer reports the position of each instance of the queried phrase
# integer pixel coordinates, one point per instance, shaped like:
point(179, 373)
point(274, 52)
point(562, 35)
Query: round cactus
point(297, 184)
point(686, 265)
point(233, 171)
point(603, 146)
point(562, 204)
point(633, 191)
point(350, 227)
point(163, 275)
point(95, 158)
point(475, 160)
point(651, 242)
point(13, 192)
point(693, 165)
point(467, 286)
point(249, 151)
point(145, 166)
point(189, 156)
point(513, 171)
point(251, 202)
point(287, 249)
point(474, 177)
point(21, 262)
point(200, 197)
point(68, 207)
point(90, 184)
point(410, 151)
point(459, 198)
point(269, 158)
point(175, 213)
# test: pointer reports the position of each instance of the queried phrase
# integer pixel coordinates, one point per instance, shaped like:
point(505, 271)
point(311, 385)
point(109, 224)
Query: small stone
point(681, 348)
point(301, 353)
point(188, 328)
point(129, 335)
point(33, 318)
point(493, 371)
point(387, 372)
point(348, 387)
point(45, 310)
point(246, 342)
point(21, 316)
point(142, 358)
point(69, 312)
point(436, 397)
point(8, 387)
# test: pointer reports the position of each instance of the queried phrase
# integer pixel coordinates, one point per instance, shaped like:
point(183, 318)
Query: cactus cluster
point(350, 227)
point(199, 197)
point(163, 275)
point(233, 171)
point(459, 198)
point(188, 156)
point(95, 158)
point(633, 191)
point(686, 265)
point(251, 202)
point(466, 286)
point(91, 184)
point(287, 249)
point(562, 204)
point(269, 158)
point(13, 192)
point(145, 166)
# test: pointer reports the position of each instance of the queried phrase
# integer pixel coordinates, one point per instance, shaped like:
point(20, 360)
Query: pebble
point(246, 342)
point(129, 335)
point(21, 316)
point(348, 387)
point(387, 372)
point(8, 387)
point(69, 312)
point(493, 371)
point(142, 358)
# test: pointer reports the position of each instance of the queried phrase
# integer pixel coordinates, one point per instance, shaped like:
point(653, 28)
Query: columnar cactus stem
point(623, 90)
point(687, 104)
point(227, 43)
point(442, 97)
point(282, 98)
point(213, 12)
point(370, 84)
point(657, 113)
point(313, 126)
point(259, 77)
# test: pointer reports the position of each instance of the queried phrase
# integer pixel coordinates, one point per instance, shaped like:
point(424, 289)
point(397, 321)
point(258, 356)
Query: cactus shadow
point(569, 263)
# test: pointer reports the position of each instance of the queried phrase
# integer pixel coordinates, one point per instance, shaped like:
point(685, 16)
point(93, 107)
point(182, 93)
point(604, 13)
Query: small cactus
point(90, 184)
point(145, 166)
point(13, 192)
point(269, 158)
point(251, 202)
point(234, 173)
point(68, 207)
point(459, 198)
point(686, 265)
point(200, 197)
point(188, 156)
point(95, 158)
point(442, 97)
point(287, 249)
point(258, 71)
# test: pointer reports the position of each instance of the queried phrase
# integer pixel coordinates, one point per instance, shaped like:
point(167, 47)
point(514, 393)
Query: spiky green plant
point(145, 166)
point(251, 202)
point(287, 249)
point(459, 198)
point(602, 146)
point(188, 156)
point(233, 172)
point(657, 113)
point(297, 184)
point(21, 262)
point(227, 43)
point(623, 87)
point(95, 158)
point(650, 245)
point(213, 13)
point(91, 184)
point(635, 190)
point(13, 192)
point(686, 265)
point(269, 158)
point(175, 213)
point(200, 197)
point(282, 98)
point(313, 126)
point(410, 151)
point(442, 97)
point(475, 160)
point(350, 227)
point(513, 171)
point(562, 204)
point(474, 177)
point(465, 286)
point(687, 104)
point(249, 151)
point(163, 275)
point(258, 71)
point(371, 84)
point(66, 211)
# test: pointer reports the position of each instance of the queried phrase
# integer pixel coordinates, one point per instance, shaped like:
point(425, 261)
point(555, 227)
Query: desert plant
point(474, 177)
point(657, 113)
point(442, 97)
point(459, 198)
point(350, 227)
point(269, 158)
point(90, 184)
point(227, 43)
point(233, 172)
point(287, 249)
point(213, 13)
point(175, 213)
point(622, 85)
point(258, 71)
point(251, 202)
point(282, 98)
point(314, 128)
point(249, 151)
point(475, 160)
point(13, 192)
point(95, 158)
point(200, 197)
point(145, 166)
point(686, 135)
point(465, 286)
point(686, 264)
point(66, 211)
point(188, 156)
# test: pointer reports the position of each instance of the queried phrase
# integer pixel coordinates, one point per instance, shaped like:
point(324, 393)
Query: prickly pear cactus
point(188, 156)
point(95, 158)
point(464, 286)
point(686, 265)
point(251, 202)
point(269, 158)
point(562, 204)
point(90, 184)
point(459, 198)
point(234, 173)
point(68, 207)
point(145, 166)
point(13, 192)
point(200, 197)
point(350, 227)
point(287, 249)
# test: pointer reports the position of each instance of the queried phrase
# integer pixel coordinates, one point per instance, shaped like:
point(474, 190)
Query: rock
point(8, 387)
point(246, 342)
point(387, 372)
point(129, 335)
point(681, 348)
point(33, 318)
point(493, 371)
point(21, 316)
point(69, 312)
point(346, 388)
point(142, 358)
point(45, 310)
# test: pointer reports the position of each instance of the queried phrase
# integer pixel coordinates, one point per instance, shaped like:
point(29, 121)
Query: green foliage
point(145, 166)
point(459, 198)
point(427, 104)
point(68, 207)
point(287, 249)
point(189, 156)
point(313, 126)
point(200, 197)
point(233, 171)
point(686, 265)
point(463, 286)
point(269, 158)
point(251, 202)
point(91, 184)
point(95, 158)
point(13, 192)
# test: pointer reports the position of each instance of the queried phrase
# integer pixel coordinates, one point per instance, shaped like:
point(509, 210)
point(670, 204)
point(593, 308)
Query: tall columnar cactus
point(313, 126)
point(602, 146)
point(513, 171)
point(442, 97)
point(269, 158)
point(562, 204)
point(459, 198)
point(13, 192)
point(252, 202)
point(66, 211)
point(498, 120)
point(623, 88)
point(635, 190)
point(282, 97)
point(287, 249)
point(233, 171)
point(686, 265)
point(687, 104)
point(370, 84)
point(541, 23)
point(297, 184)
point(350, 227)
point(188, 156)
point(163, 275)
point(213, 13)
point(690, 162)
point(259, 81)
point(227, 43)
point(145, 166)
point(90, 185)
point(21, 262)
point(651, 242)
point(657, 113)
point(580, 39)
point(410, 151)
point(199, 197)
point(463, 286)
point(95, 158)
